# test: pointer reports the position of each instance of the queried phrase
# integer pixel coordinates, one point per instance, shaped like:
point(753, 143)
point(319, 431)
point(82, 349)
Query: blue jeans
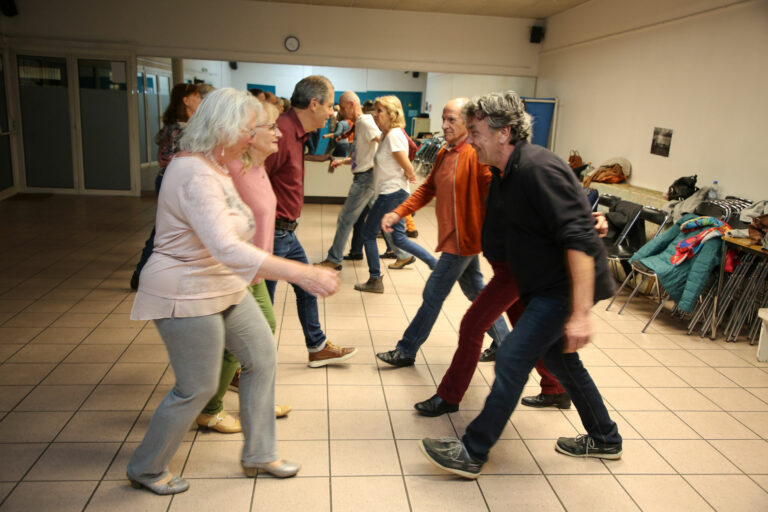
point(360, 194)
point(449, 269)
point(538, 335)
point(288, 246)
point(149, 245)
point(384, 204)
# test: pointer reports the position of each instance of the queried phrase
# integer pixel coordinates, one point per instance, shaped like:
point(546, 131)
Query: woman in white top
point(194, 287)
point(391, 173)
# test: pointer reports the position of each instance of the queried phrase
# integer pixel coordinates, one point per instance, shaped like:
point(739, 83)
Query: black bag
point(682, 188)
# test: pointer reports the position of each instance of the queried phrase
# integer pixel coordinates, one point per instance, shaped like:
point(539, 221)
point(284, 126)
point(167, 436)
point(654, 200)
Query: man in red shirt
point(312, 103)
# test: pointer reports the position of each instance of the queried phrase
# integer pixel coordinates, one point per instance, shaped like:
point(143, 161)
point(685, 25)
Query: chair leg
point(656, 313)
point(634, 292)
point(619, 290)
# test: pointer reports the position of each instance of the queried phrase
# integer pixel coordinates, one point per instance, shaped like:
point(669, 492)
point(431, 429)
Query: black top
point(537, 210)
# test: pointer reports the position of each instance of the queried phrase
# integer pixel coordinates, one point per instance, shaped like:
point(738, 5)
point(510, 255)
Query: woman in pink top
point(194, 287)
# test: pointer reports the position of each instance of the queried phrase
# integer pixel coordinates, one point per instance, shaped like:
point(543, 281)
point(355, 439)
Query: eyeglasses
point(268, 126)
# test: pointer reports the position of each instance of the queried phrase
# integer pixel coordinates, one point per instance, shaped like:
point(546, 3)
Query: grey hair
point(313, 86)
point(502, 109)
point(219, 120)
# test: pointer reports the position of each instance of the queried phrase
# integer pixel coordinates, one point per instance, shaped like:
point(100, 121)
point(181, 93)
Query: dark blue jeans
point(384, 204)
point(149, 245)
point(288, 246)
point(449, 269)
point(538, 335)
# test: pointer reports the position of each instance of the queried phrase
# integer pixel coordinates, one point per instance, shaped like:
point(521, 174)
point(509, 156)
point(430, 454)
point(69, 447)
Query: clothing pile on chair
point(689, 247)
point(614, 170)
point(756, 215)
point(683, 281)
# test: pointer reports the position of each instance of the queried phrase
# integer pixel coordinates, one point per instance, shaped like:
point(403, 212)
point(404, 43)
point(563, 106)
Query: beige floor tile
point(7, 351)
point(119, 496)
point(692, 342)
point(611, 376)
point(761, 480)
point(215, 459)
point(55, 398)
point(721, 359)
point(673, 357)
point(306, 425)
point(342, 323)
point(639, 458)
point(294, 354)
point(703, 377)
point(370, 457)
point(659, 425)
point(305, 494)
point(41, 353)
point(728, 493)
point(542, 424)
point(66, 335)
point(411, 425)
point(747, 377)
point(756, 421)
point(79, 320)
point(93, 306)
point(118, 398)
point(208, 494)
point(98, 427)
point(656, 377)
point(735, 399)
point(631, 399)
point(119, 320)
point(77, 373)
point(116, 470)
point(416, 375)
point(651, 341)
point(293, 374)
point(112, 336)
point(350, 374)
point(510, 457)
point(554, 463)
point(135, 373)
point(592, 356)
point(360, 425)
point(428, 493)
point(591, 492)
point(32, 427)
point(463, 417)
point(302, 396)
point(413, 461)
point(24, 319)
point(374, 493)
point(716, 425)
point(663, 493)
point(24, 373)
point(95, 354)
point(18, 458)
point(59, 496)
point(751, 456)
point(148, 336)
point(519, 492)
point(14, 305)
point(438, 372)
point(73, 461)
point(356, 397)
point(630, 357)
point(11, 396)
point(683, 399)
point(693, 456)
point(145, 354)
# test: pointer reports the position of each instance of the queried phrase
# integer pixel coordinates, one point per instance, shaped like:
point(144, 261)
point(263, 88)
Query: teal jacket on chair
point(683, 282)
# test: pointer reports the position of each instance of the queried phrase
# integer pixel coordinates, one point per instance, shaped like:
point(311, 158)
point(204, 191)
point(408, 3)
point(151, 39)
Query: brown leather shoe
point(329, 264)
point(397, 265)
point(331, 354)
point(373, 285)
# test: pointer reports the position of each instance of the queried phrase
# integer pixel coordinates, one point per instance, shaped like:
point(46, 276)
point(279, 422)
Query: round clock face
point(291, 43)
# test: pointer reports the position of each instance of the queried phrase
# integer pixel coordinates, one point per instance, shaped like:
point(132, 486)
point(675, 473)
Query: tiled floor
point(79, 382)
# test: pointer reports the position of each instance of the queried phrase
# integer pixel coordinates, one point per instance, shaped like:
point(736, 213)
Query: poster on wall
point(662, 139)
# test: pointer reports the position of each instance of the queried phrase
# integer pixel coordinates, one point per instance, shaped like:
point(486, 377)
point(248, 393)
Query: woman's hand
point(318, 281)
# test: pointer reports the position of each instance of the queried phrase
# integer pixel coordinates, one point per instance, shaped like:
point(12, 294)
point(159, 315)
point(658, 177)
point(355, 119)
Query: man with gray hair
point(312, 103)
point(540, 212)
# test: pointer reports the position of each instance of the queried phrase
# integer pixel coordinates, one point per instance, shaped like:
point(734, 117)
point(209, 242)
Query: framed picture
point(662, 139)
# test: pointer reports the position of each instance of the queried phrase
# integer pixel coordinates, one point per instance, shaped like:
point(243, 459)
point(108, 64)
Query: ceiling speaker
point(537, 34)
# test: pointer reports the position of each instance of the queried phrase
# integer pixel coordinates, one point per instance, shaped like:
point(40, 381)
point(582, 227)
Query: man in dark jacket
point(561, 270)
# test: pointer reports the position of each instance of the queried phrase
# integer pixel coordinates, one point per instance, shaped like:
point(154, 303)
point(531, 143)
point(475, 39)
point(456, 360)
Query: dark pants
point(149, 245)
point(537, 335)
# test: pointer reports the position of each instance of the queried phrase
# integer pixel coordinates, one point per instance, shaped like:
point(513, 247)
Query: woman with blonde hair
point(194, 287)
point(392, 170)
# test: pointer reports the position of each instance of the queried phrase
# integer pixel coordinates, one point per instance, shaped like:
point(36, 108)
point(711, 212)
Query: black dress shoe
point(388, 255)
point(353, 256)
point(135, 281)
point(396, 358)
point(488, 355)
point(561, 401)
point(435, 406)
point(449, 454)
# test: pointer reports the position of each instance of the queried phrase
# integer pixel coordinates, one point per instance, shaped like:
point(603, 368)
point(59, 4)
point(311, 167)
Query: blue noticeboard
point(263, 87)
point(543, 112)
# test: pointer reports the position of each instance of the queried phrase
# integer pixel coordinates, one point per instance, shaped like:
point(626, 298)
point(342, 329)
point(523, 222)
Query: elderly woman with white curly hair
point(195, 289)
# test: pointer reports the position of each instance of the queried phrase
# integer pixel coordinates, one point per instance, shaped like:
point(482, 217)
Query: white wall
point(702, 75)
point(442, 87)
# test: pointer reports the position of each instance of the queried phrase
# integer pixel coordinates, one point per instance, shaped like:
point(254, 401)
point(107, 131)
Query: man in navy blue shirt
point(554, 252)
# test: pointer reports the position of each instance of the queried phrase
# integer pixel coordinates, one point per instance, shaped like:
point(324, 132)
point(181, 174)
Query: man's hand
point(601, 224)
point(389, 220)
point(577, 332)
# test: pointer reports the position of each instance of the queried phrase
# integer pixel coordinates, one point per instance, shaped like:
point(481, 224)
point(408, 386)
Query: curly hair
point(502, 109)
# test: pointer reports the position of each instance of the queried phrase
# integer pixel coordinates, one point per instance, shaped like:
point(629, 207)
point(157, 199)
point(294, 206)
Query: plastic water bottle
point(714, 192)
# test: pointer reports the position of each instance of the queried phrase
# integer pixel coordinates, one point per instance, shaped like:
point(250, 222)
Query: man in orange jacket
point(459, 184)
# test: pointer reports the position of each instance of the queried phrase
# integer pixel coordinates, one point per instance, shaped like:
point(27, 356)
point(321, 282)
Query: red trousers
point(498, 296)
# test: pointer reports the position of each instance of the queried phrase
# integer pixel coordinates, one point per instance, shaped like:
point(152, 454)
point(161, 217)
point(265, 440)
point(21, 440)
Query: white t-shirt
point(364, 147)
point(388, 176)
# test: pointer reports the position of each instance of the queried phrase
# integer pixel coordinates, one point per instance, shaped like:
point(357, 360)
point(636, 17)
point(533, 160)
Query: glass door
point(104, 124)
point(6, 169)
point(46, 124)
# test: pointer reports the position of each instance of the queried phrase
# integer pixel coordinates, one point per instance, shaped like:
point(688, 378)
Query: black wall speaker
point(537, 34)
point(233, 65)
point(8, 8)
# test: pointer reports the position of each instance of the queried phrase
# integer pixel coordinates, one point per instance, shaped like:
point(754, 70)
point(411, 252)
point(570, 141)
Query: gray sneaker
point(449, 454)
point(588, 446)
point(373, 285)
